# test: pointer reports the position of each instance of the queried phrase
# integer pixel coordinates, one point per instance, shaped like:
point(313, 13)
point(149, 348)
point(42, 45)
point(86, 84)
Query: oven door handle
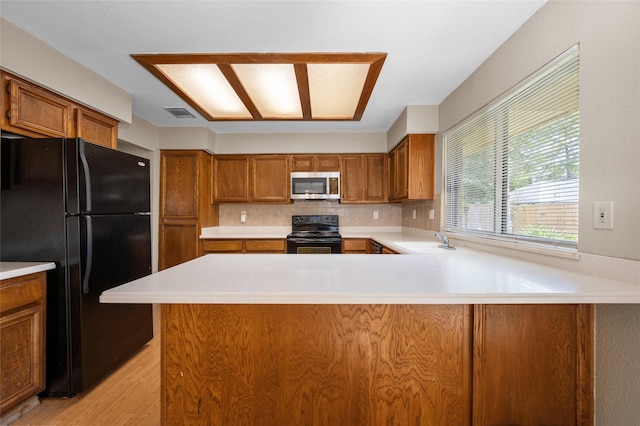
point(313, 240)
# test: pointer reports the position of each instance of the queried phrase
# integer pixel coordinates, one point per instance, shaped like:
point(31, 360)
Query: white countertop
point(429, 276)
point(231, 232)
point(18, 269)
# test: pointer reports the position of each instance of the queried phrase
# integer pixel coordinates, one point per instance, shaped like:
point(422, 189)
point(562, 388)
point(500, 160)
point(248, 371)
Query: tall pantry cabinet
point(185, 204)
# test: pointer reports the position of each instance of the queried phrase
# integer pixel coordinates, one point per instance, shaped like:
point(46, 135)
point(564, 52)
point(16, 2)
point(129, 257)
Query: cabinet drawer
point(355, 245)
point(21, 291)
point(222, 246)
point(265, 246)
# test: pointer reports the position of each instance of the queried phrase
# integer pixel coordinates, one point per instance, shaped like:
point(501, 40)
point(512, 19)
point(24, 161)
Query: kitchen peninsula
point(443, 337)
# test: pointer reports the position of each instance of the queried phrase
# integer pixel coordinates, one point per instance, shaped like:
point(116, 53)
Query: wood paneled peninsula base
point(233, 364)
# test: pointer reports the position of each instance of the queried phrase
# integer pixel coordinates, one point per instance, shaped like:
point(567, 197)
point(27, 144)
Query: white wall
point(278, 143)
point(187, 138)
point(413, 119)
point(26, 56)
point(609, 37)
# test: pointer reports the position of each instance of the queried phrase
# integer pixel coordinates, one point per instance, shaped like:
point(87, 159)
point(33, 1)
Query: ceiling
point(432, 46)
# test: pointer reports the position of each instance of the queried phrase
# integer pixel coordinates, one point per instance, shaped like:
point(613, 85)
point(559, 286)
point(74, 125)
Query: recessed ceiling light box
point(270, 86)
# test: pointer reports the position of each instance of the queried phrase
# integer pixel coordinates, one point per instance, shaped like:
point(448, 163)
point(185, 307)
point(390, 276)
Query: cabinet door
point(302, 163)
point(178, 185)
point(34, 111)
point(402, 170)
point(420, 167)
point(411, 169)
point(270, 178)
point(231, 178)
point(327, 163)
point(375, 182)
point(178, 243)
point(315, 163)
point(97, 128)
point(392, 176)
point(533, 365)
point(352, 178)
point(22, 333)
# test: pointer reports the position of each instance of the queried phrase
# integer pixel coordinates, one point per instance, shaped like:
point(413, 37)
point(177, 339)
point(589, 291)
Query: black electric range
point(312, 234)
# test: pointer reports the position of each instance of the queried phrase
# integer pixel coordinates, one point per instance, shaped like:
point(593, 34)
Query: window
point(511, 169)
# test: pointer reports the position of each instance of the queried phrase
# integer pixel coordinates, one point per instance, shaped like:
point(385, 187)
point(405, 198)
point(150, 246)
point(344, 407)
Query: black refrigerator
point(86, 208)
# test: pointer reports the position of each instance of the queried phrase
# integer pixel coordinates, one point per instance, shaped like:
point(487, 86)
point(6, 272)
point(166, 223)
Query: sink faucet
point(445, 240)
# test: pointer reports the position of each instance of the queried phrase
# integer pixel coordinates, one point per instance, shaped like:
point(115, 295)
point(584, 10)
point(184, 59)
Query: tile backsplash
point(280, 214)
point(422, 218)
point(391, 214)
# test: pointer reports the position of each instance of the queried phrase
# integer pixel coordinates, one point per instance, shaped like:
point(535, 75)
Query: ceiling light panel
point(208, 87)
point(273, 89)
point(270, 86)
point(335, 89)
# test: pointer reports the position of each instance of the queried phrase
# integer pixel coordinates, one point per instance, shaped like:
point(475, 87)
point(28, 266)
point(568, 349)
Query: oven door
point(311, 246)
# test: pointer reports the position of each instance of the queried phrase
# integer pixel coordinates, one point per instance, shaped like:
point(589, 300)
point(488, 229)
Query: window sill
point(565, 253)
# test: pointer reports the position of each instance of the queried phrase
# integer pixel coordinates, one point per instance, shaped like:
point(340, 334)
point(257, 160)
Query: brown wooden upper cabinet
point(363, 178)
point(315, 163)
point(270, 178)
point(33, 111)
point(231, 178)
point(251, 178)
point(412, 168)
point(97, 128)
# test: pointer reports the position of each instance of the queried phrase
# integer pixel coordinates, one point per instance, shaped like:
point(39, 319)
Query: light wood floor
point(129, 396)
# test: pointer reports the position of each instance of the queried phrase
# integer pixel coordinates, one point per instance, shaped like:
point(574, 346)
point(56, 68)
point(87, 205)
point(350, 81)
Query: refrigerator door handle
point(87, 176)
point(89, 242)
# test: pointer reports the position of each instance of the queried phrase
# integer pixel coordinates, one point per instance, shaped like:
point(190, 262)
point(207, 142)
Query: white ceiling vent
point(180, 113)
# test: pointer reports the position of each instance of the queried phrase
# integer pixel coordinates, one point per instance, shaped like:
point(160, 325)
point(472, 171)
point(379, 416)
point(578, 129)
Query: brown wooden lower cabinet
point(210, 246)
point(22, 348)
point(315, 364)
point(176, 243)
point(377, 364)
point(533, 365)
point(356, 246)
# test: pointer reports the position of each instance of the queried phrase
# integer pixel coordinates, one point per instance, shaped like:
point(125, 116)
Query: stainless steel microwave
point(315, 185)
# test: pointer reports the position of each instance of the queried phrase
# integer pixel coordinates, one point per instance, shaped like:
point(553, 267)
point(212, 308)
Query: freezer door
point(105, 181)
point(115, 249)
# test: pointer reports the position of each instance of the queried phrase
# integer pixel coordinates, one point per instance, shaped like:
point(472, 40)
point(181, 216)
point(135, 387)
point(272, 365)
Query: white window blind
point(511, 170)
